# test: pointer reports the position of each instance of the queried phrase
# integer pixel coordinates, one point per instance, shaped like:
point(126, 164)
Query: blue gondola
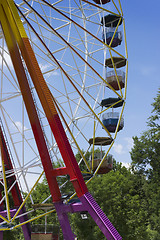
point(110, 22)
point(108, 34)
point(110, 121)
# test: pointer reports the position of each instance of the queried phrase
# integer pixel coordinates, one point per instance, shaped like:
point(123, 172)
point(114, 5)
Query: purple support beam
point(21, 219)
point(1, 235)
point(1, 232)
point(87, 204)
point(99, 217)
point(4, 213)
point(26, 228)
point(64, 221)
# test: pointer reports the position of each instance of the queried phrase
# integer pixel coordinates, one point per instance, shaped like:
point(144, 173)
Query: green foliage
point(146, 161)
point(119, 195)
point(13, 235)
point(40, 193)
point(152, 234)
point(146, 152)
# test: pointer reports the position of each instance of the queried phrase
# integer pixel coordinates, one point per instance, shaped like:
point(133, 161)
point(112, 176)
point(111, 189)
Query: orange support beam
point(29, 103)
point(47, 103)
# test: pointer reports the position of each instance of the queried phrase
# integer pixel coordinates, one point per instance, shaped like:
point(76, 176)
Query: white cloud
point(6, 59)
point(20, 126)
point(129, 141)
point(127, 165)
point(118, 148)
point(51, 73)
point(147, 70)
point(55, 73)
point(123, 147)
point(45, 68)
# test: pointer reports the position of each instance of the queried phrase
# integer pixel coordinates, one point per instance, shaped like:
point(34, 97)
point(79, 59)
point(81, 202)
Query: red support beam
point(30, 106)
point(60, 171)
point(15, 191)
point(53, 117)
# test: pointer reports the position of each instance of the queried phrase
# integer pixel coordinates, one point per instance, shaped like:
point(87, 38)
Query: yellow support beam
point(124, 30)
point(115, 32)
point(120, 7)
point(93, 143)
point(116, 74)
point(116, 7)
point(126, 80)
point(33, 219)
point(5, 219)
point(6, 190)
point(17, 20)
point(19, 209)
point(119, 120)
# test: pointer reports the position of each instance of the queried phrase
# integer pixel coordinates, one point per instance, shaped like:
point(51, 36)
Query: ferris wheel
point(63, 67)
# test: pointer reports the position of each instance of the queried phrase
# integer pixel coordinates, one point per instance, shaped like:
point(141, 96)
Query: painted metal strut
point(19, 46)
point(15, 191)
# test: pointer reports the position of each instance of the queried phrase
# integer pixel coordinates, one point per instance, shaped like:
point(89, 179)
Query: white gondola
point(44, 232)
point(106, 166)
point(112, 80)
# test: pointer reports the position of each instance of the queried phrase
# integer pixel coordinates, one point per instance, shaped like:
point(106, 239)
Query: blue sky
point(143, 36)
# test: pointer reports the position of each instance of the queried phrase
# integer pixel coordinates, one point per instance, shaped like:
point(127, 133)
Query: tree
point(120, 197)
point(146, 161)
point(146, 151)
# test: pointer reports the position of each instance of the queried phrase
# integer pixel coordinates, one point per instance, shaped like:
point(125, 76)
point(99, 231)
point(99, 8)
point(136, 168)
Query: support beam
point(29, 102)
point(15, 191)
